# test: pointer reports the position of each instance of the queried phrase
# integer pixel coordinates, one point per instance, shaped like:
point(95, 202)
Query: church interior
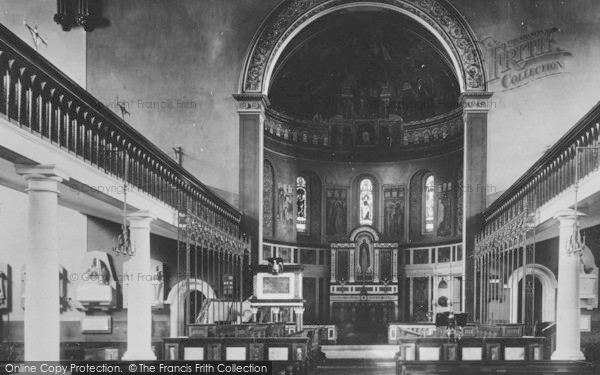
point(336, 186)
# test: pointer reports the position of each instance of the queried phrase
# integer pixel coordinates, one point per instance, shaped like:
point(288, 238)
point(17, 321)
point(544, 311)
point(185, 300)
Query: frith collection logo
point(524, 59)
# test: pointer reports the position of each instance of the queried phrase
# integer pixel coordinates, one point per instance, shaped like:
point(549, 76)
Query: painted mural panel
point(394, 203)
point(285, 210)
point(416, 195)
point(336, 212)
point(444, 210)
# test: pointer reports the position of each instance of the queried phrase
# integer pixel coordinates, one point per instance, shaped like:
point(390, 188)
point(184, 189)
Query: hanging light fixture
point(122, 244)
point(73, 13)
point(577, 241)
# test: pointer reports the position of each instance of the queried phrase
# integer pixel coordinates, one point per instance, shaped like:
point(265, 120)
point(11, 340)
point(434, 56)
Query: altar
point(363, 293)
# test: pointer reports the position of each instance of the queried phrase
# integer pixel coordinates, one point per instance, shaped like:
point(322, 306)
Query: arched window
point(302, 204)
point(429, 204)
point(366, 201)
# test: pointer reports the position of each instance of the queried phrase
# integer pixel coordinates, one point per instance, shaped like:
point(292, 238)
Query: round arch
point(177, 296)
point(549, 285)
point(439, 17)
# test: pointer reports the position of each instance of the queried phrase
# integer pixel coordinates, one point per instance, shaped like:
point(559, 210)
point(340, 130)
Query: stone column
point(395, 265)
point(375, 265)
point(352, 271)
point(567, 306)
point(299, 311)
point(274, 314)
point(42, 308)
point(251, 109)
point(254, 311)
point(476, 106)
point(139, 304)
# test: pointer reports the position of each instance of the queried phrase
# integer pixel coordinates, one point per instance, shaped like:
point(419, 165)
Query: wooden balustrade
point(39, 98)
point(551, 175)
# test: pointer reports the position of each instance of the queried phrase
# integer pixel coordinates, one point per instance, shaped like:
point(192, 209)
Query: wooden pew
point(494, 367)
point(293, 355)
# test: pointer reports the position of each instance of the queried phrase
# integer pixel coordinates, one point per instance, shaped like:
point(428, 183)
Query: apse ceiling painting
point(357, 67)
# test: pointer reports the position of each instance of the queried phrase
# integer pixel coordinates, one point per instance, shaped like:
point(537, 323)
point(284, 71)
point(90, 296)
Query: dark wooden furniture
point(494, 367)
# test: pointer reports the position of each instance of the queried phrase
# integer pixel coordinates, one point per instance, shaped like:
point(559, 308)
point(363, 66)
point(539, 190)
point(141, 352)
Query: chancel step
point(367, 352)
point(357, 366)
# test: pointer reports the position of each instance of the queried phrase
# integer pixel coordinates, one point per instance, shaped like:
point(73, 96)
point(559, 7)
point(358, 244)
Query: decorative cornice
point(251, 102)
point(475, 102)
point(291, 15)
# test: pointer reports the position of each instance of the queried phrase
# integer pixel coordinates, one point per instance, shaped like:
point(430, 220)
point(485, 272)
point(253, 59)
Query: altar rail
point(327, 333)
point(551, 175)
point(42, 100)
point(237, 330)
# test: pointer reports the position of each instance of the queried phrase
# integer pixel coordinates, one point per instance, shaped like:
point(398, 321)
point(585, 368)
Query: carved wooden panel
point(268, 183)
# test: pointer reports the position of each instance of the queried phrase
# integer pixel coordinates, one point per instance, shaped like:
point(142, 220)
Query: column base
point(131, 355)
point(567, 355)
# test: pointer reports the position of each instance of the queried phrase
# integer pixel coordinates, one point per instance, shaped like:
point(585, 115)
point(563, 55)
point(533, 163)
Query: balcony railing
point(552, 174)
point(39, 98)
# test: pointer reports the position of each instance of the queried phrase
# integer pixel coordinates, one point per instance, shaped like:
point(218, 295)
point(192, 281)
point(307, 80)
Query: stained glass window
point(429, 203)
point(366, 202)
point(301, 202)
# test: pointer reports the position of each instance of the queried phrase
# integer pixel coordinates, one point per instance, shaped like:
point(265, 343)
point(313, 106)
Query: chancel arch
point(291, 17)
point(363, 94)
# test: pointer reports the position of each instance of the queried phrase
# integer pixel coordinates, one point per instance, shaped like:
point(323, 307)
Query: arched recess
point(438, 16)
point(549, 285)
point(176, 300)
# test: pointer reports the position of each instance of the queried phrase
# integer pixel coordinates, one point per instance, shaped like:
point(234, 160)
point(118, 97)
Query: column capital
point(476, 102)
point(251, 103)
point(140, 219)
point(41, 177)
point(568, 216)
point(299, 310)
